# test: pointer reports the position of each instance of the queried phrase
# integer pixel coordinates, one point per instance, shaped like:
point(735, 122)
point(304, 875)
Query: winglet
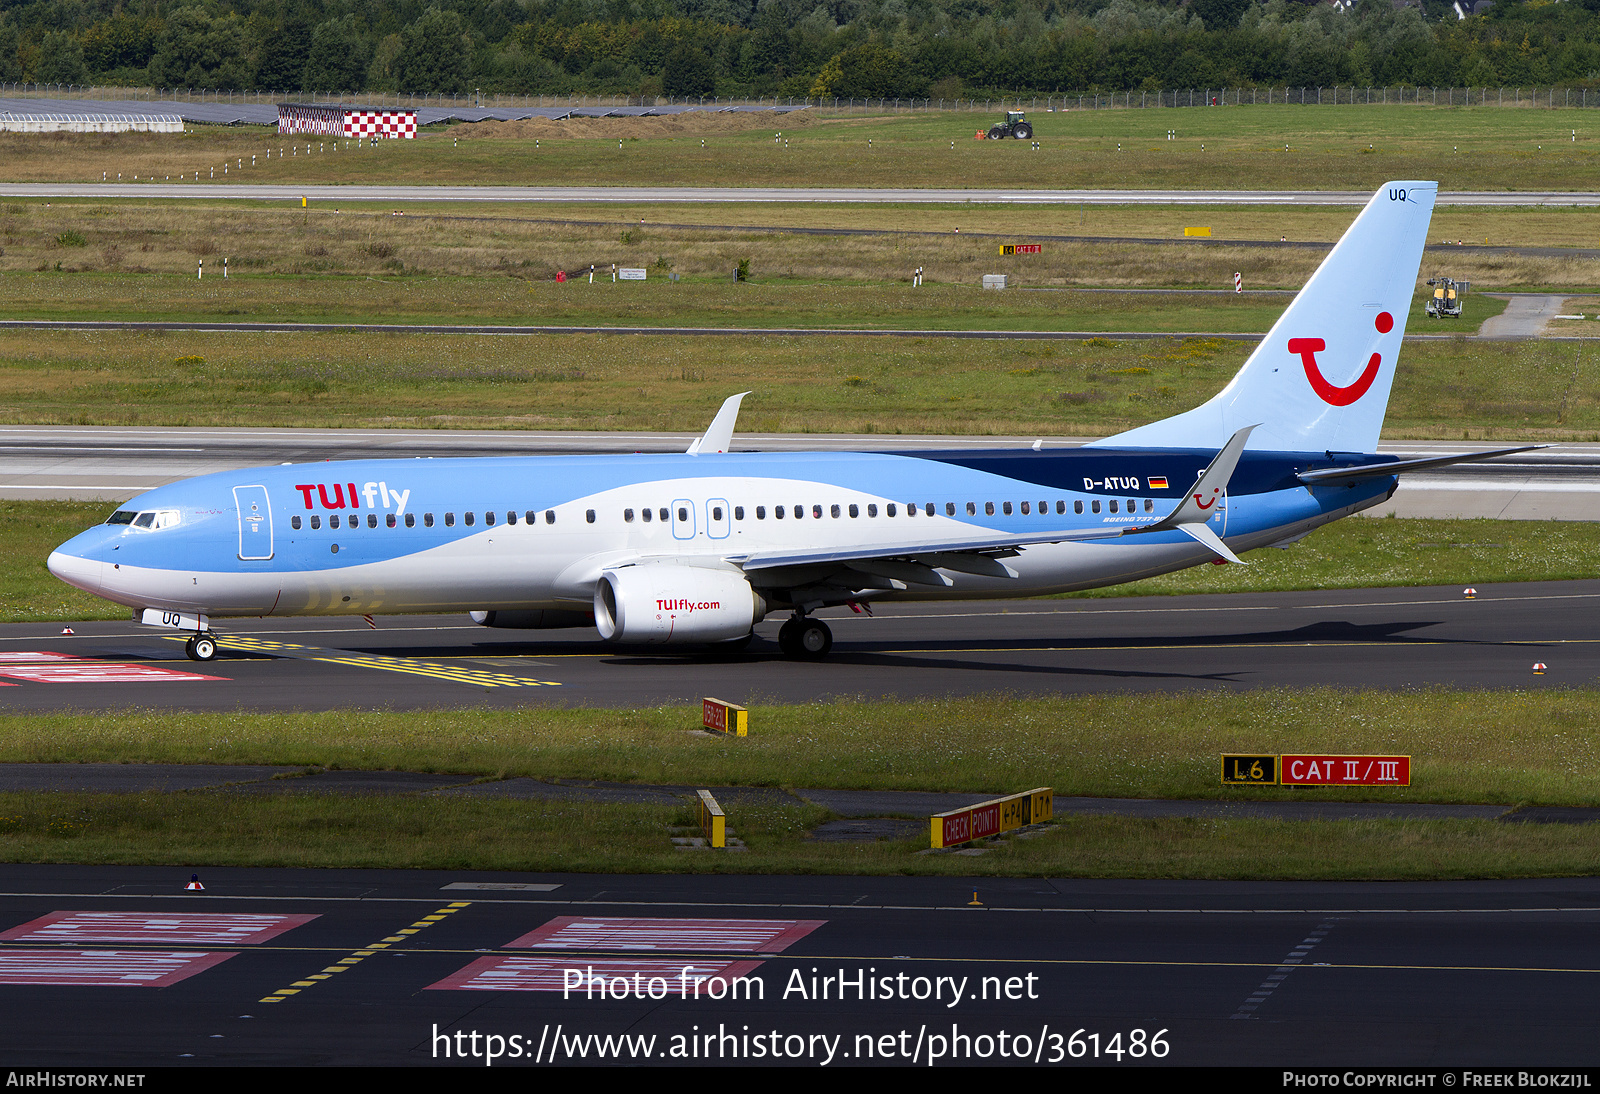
point(719, 434)
point(1199, 504)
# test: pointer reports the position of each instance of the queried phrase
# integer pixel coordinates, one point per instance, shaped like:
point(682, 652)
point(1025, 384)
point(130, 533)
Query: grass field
point(1328, 148)
point(1346, 554)
point(1450, 389)
point(1510, 748)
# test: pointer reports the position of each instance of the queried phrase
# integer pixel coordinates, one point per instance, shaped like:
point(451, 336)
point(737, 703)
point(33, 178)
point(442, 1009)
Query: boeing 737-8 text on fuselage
point(696, 549)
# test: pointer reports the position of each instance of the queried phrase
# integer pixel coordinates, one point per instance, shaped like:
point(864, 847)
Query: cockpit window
point(152, 519)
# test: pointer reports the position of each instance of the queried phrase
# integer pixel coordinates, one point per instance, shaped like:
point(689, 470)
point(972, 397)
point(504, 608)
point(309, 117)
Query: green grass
point(1449, 389)
point(200, 830)
point(1504, 747)
point(1511, 748)
point(1463, 148)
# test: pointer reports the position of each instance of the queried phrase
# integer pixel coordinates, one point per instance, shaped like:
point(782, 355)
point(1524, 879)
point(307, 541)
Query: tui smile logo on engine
point(1308, 348)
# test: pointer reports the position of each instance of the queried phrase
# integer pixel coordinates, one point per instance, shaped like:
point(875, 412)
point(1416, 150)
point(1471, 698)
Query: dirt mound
point(693, 123)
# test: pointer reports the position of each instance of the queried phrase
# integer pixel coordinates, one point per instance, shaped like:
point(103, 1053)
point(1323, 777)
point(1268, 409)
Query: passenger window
point(549, 516)
point(627, 516)
point(928, 509)
point(488, 518)
point(511, 516)
point(427, 520)
point(389, 519)
point(854, 511)
point(972, 508)
point(799, 511)
point(988, 508)
point(411, 520)
point(776, 512)
point(816, 512)
point(1113, 505)
point(294, 522)
point(716, 512)
point(449, 520)
point(648, 514)
point(1131, 504)
point(589, 515)
point(833, 511)
point(738, 512)
point(333, 521)
point(530, 516)
point(761, 512)
point(1077, 507)
point(889, 510)
point(372, 520)
point(1024, 508)
point(316, 522)
point(1149, 505)
point(1094, 506)
point(1005, 507)
point(949, 508)
point(664, 516)
point(872, 510)
point(1044, 507)
point(470, 518)
point(911, 510)
point(1061, 507)
point(683, 515)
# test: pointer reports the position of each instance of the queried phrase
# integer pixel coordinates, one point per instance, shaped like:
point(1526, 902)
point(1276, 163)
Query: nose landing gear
point(805, 639)
point(202, 647)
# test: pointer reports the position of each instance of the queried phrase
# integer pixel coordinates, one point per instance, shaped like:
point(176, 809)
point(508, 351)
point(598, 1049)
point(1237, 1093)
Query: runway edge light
point(194, 885)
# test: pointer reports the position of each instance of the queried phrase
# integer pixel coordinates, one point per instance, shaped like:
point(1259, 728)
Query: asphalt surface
point(705, 194)
point(1357, 638)
point(343, 967)
point(116, 463)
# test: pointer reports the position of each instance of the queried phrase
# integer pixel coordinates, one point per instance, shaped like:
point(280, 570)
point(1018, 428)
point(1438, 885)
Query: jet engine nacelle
point(670, 602)
point(532, 620)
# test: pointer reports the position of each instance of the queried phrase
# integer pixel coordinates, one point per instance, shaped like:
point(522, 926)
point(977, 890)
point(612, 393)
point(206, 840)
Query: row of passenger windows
point(410, 519)
point(779, 512)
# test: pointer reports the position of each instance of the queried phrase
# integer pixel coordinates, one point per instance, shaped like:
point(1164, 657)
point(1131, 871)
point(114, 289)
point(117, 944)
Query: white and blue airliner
point(695, 549)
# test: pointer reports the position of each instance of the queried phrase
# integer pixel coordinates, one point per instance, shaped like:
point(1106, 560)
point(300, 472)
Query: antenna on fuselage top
point(719, 434)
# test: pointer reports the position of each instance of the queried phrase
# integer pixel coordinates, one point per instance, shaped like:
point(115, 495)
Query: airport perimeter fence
point(1540, 98)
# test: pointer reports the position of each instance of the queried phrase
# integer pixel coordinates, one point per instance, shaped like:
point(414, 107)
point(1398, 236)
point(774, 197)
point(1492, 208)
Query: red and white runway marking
point(104, 968)
point(181, 928)
point(713, 935)
point(40, 667)
point(614, 977)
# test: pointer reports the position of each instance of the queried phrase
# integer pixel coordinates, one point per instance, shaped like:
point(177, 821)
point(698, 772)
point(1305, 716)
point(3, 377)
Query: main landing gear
point(805, 639)
point(202, 647)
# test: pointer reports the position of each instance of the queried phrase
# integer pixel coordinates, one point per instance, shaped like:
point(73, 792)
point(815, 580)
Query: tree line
point(941, 49)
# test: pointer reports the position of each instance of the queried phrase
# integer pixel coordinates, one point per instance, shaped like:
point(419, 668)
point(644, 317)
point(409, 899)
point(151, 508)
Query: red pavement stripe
point(184, 928)
point(514, 972)
point(104, 968)
point(624, 933)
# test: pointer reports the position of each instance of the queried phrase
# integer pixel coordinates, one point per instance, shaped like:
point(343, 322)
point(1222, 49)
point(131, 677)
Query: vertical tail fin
point(1320, 380)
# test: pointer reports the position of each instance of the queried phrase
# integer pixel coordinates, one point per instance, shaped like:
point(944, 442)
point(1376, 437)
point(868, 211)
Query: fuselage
point(385, 536)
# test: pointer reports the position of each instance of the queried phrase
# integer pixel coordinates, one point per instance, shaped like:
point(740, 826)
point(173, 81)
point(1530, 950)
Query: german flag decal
point(1158, 482)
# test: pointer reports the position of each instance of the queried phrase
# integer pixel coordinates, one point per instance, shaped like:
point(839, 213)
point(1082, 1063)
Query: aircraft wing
point(991, 547)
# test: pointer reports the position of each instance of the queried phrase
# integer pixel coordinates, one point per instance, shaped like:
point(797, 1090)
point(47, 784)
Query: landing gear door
point(255, 522)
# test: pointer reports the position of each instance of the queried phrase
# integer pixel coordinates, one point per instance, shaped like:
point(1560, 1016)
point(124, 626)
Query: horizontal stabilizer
point(1400, 467)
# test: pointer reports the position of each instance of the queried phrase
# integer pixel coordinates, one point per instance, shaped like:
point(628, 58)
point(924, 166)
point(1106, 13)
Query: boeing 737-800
point(696, 549)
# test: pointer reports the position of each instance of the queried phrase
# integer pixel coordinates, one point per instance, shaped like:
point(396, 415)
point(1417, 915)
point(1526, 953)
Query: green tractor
point(1016, 126)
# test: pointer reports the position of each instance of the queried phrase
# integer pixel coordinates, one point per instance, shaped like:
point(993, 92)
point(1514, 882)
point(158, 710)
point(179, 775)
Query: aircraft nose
point(75, 570)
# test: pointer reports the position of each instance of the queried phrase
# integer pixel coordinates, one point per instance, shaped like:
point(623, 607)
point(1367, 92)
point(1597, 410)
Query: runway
point(117, 967)
point(653, 195)
point(1356, 638)
point(116, 463)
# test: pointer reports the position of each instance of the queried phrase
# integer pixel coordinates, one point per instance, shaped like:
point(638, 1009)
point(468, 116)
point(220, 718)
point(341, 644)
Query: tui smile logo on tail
point(1308, 348)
